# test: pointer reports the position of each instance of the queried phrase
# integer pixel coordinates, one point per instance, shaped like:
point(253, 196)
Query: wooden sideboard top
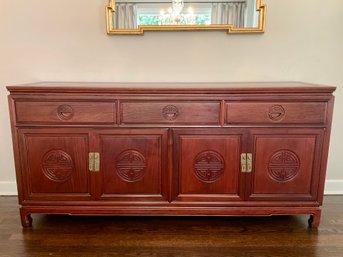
point(170, 87)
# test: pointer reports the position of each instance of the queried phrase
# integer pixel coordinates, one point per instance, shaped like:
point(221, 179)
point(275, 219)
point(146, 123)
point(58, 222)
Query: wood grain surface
point(176, 150)
point(62, 235)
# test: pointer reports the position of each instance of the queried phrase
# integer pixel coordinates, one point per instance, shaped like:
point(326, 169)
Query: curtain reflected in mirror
point(125, 16)
point(133, 15)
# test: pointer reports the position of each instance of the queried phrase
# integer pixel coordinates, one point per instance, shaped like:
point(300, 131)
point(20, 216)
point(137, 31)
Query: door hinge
point(243, 162)
point(249, 162)
point(94, 162)
point(246, 162)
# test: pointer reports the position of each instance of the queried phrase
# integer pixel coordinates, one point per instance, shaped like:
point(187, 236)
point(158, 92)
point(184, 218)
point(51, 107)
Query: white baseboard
point(332, 187)
point(8, 188)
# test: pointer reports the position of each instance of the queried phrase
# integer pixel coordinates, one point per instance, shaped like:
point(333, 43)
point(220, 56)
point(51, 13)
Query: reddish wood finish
point(207, 165)
point(55, 164)
point(133, 165)
point(276, 112)
point(171, 151)
point(170, 112)
point(65, 112)
point(285, 164)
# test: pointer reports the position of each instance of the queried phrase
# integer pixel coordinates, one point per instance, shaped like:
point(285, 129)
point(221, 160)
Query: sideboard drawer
point(273, 112)
point(65, 112)
point(170, 112)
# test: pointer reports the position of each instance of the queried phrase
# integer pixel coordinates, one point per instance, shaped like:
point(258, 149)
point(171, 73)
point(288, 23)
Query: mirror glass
point(138, 15)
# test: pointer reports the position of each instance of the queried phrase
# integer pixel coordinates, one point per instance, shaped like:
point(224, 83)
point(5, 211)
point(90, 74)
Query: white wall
point(65, 40)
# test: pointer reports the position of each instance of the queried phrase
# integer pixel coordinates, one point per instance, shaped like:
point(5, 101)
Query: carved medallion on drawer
point(167, 112)
point(65, 112)
point(276, 113)
point(131, 166)
point(170, 112)
point(283, 165)
point(57, 166)
point(209, 166)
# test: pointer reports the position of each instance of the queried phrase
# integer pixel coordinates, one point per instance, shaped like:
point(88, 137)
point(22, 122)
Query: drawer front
point(65, 112)
point(170, 112)
point(273, 112)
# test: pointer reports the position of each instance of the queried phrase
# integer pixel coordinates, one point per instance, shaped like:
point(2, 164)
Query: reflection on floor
point(54, 235)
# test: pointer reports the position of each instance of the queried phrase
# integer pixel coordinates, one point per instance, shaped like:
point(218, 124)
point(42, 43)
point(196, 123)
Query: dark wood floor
point(54, 235)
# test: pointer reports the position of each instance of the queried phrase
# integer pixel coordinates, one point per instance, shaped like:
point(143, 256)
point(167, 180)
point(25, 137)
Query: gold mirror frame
point(110, 9)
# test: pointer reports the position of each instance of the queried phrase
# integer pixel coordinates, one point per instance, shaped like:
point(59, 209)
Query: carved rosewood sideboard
point(220, 149)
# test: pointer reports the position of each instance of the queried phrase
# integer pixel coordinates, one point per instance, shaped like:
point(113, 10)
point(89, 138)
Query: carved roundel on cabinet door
point(276, 113)
point(284, 165)
point(65, 112)
point(209, 166)
point(131, 166)
point(57, 165)
point(170, 112)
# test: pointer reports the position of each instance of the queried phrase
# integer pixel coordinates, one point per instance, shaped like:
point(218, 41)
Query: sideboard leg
point(26, 220)
point(314, 219)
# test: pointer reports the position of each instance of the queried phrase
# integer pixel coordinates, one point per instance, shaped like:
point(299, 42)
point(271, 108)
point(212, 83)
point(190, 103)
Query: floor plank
point(69, 236)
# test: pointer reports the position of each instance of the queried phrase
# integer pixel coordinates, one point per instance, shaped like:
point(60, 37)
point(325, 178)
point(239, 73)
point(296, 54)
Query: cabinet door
point(55, 164)
point(132, 164)
point(286, 164)
point(207, 165)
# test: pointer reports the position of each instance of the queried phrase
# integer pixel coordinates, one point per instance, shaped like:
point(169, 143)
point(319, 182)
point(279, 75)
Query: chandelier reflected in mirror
point(136, 16)
point(174, 15)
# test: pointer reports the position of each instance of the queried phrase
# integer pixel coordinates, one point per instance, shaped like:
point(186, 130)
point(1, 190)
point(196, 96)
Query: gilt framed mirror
point(133, 17)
